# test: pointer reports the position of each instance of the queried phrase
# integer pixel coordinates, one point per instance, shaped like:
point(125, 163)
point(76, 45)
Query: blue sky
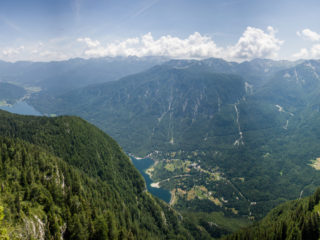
point(44, 30)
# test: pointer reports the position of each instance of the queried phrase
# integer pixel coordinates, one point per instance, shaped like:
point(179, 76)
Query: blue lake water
point(21, 108)
point(142, 165)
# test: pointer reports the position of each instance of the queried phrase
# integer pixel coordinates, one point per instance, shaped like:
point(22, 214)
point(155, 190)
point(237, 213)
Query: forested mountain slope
point(240, 145)
point(157, 108)
point(62, 178)
point(298, 219)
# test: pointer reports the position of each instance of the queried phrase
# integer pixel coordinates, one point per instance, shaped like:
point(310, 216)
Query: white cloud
point(255, 43)
point(315, 51)
point(309, 35)
point(91, 43)
point(312, 53)
point(194, 46)
point(9, 52)
point(302, 54)
point(36, 52)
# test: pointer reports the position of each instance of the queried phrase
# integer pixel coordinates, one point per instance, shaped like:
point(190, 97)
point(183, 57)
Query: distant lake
point(21, 108)
point(142, 165)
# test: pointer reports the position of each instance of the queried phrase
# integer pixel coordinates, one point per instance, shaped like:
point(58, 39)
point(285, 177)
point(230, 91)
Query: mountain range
point(61, 76)
point(230, 126)
point(227, 138)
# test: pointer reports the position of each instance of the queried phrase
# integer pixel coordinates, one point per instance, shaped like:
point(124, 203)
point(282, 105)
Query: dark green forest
point(298, 219)
point(64, 177)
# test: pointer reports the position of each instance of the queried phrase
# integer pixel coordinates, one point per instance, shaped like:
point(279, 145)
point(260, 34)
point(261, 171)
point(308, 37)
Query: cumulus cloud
point(35, 52)
point(302, 54)
point(315, 51)
point(255, 43)
point(91, 43)
point(309, 35)
point(194, 46)
point(9, 52)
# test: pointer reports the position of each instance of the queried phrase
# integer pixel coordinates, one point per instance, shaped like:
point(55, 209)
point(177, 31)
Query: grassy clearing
point(170, 167)
point(315, 163)
point(176, 165)
point(218, 218)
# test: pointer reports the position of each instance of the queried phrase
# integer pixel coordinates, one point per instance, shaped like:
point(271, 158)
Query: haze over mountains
point(226, 137)
point(61, 76)
point(11, 93)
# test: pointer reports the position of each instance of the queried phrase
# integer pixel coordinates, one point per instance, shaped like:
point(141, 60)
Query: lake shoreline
point(143, 164)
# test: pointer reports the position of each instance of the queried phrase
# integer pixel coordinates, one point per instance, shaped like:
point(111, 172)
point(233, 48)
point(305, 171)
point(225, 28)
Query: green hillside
point(298, 219)
point(62, 177)
point(160, 109)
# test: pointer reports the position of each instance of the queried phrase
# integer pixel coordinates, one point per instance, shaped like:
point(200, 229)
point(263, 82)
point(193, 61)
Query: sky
point(235, 30)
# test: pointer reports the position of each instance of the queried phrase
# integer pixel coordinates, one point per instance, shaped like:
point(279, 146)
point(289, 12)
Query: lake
point(21, 108)
point(142, 165)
